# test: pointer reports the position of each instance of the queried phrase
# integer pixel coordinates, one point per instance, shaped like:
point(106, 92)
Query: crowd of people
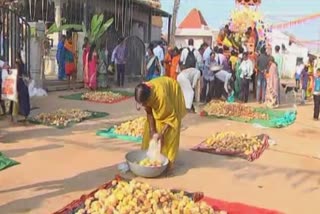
point(226, 74)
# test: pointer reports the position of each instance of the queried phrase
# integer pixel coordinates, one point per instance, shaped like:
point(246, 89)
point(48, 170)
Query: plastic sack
point(9, 85)
point(154, 150)
point(36, 92)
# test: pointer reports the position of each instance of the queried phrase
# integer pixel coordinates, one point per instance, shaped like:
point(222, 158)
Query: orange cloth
point(174, 66)
point(167, 64)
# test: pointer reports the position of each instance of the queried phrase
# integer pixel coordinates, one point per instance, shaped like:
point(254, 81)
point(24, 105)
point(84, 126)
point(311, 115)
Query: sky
point(217, 13)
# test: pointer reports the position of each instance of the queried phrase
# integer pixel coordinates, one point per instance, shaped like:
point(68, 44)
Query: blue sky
point(217, 12)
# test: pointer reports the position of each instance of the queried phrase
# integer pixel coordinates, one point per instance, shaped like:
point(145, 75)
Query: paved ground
point(58, 166)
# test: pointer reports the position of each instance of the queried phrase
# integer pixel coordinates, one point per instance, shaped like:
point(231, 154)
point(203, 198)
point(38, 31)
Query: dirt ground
point(58, 166)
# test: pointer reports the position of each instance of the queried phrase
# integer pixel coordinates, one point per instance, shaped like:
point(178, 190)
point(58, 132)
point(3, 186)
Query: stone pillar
point(37, 53)
point(57, 14)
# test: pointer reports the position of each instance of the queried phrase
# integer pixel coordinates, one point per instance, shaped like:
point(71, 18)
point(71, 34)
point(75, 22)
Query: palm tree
point(174, 22)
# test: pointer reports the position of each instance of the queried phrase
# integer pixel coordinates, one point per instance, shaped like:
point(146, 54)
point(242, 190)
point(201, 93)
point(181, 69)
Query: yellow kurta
point(168, 107)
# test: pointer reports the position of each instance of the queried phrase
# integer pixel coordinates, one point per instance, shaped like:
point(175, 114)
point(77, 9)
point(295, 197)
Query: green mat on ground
point(6, 162)
point(277, 118)
point(95, 115)
point(77, 96)
point(109, 133)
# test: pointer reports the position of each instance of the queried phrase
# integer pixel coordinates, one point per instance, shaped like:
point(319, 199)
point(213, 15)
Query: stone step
point(58, 85)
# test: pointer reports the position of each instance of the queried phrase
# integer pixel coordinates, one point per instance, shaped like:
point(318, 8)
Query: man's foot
point(316, 119)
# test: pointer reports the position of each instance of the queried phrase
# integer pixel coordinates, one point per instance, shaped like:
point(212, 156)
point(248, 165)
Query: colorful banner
point(296, 21)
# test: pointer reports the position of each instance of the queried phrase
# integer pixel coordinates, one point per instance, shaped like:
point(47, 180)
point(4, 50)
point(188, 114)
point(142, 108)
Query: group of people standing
point(94, 60)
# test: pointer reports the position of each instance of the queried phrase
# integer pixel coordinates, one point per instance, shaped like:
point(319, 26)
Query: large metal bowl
point(134, 157)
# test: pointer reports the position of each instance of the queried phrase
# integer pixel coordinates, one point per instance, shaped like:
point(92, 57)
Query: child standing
point(304, 84)
point(316, 95)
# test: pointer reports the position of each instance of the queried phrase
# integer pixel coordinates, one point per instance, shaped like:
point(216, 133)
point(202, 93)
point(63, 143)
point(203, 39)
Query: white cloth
point(207, 54)
point(225, 77)
point(206, 73)
point(187, 80)
point(246, 68)
point(158, 52)
point(1, 63)
point(184, 55)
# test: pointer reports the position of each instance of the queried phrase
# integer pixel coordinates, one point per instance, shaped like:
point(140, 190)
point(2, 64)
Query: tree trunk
point(174, 22)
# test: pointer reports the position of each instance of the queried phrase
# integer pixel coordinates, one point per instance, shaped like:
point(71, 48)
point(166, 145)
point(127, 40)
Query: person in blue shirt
point(61, 59)
point(316, 95)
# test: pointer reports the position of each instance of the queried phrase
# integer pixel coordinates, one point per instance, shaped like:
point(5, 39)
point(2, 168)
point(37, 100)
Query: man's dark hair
point(241, 50)
point(277, 48)
point(216, 49)
point(190, 42)
point(233, 53)
point(220, 51)
point(142, 93)
point(263, 50)
point(205, 44)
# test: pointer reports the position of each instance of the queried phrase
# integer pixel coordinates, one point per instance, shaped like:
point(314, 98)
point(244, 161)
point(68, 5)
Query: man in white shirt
point(188, 80)
point(159, 53)
point(224, 77)
point(246, 68)
point(185, 53)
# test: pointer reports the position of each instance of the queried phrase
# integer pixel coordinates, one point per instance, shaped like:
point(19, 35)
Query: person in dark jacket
point(304, 78)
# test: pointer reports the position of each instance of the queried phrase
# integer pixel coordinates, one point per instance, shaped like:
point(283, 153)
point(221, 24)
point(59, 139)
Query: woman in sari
point(85, 51)
point(272, 84)
point(163, 101)
point(174, 70)
point(168, 61)
point(92, 62)
point(61, 59)
point(153, 65)
point(22, 107)
point(70, 66)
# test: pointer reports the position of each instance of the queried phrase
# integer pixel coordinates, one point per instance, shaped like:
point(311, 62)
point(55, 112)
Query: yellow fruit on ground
point(132, 128)
point(224, 109)
point(136, 197)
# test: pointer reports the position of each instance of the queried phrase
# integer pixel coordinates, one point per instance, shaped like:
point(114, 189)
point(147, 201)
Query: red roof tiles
point(193, 20)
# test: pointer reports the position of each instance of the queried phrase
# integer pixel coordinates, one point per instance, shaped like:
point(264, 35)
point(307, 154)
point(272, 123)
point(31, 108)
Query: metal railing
point(15, 36)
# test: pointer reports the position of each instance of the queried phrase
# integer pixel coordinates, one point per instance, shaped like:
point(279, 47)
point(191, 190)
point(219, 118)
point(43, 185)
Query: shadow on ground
point(14, 153)
point(92, 179)
point(81, 182)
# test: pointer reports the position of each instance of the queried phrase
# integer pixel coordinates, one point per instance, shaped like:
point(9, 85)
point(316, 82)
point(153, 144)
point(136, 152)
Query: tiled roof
point(193, 20)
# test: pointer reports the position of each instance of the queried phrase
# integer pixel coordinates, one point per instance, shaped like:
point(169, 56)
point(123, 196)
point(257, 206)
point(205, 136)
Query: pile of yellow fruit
point(62, 117)
point(223, 109)
point(132, 128)
point(135, 197)
point(233, 142)
point(102, 96)
point(150, 163)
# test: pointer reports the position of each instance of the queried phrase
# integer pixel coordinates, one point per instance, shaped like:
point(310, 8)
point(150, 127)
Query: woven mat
point(277, 118)
point(78, 96)
point(254, 156)
point(6, 162)
point(109, 133)
point(95, 115)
